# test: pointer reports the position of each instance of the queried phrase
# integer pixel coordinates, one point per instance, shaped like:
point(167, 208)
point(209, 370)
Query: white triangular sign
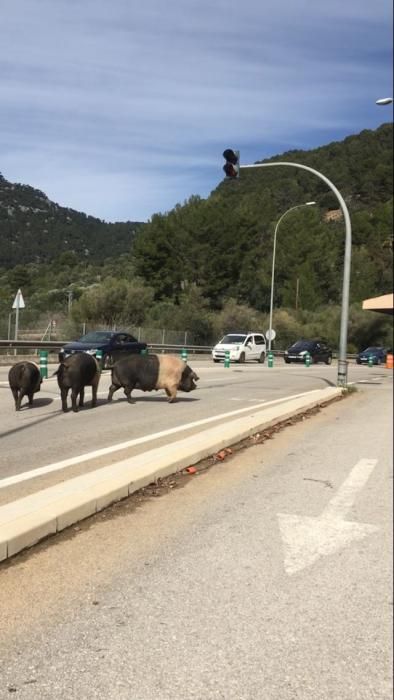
point(18, 301)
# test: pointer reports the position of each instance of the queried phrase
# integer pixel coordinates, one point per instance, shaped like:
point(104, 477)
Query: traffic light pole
point(342, 362)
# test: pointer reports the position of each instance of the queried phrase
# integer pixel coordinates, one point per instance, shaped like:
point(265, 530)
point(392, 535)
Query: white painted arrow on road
point(306, 539)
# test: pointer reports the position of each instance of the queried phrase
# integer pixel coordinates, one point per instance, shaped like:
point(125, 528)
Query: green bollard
point(270, 359)
point(44, 363)
point(144, 351)
point(184, 354)
point(370, 361)
point(307, 360)
point(227, 358)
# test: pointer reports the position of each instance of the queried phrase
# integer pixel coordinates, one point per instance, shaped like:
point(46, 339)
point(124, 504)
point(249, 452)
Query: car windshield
point(372, 349)
point(131, 339)
point(96, 337)
point(301, 345)
point(233, 339)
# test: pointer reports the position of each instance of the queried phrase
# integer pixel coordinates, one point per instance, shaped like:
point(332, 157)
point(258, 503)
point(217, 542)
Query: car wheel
point(108, 361)
point(261, 359)
point(328, 360)
point(241, 358)
point(287, 360)
point(216, 360)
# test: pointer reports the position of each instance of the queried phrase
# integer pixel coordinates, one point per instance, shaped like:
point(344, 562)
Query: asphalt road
point(43, 435)
point(268, 577)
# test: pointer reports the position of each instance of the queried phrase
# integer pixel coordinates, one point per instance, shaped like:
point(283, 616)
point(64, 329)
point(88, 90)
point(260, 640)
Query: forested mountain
point(205, 266)
point(34, 229)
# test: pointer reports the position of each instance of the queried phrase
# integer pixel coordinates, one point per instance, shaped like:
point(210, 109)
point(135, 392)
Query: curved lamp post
point(297, 206)
point(385, 101)
point(342, 362)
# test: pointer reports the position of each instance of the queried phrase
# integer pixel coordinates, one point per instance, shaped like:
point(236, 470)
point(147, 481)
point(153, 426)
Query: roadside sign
point(18, 304)
point(18, 301)
point(270, 334)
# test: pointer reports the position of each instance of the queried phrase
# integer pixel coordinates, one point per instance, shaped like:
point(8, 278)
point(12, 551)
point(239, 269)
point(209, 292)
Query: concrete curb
point(26, 521)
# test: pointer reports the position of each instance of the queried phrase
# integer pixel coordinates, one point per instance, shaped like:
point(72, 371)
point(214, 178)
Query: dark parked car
point(113, 345)
point(377, 354)
point(317, 349)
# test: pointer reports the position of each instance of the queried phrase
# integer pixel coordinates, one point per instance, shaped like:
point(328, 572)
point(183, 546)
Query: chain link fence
point(67, 332)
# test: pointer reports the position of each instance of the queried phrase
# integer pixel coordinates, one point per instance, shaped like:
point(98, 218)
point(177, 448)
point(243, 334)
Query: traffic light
point(231, 167)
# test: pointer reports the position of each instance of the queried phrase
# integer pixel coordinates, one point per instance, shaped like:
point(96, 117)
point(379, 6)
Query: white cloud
point(122, 109)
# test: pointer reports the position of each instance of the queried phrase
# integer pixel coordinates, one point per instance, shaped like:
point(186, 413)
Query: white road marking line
point(238, 398)
point(99, 393)
point(58, 398)
point(50, 379)
point(56, 466)
point(207, 379)
point(306, 539)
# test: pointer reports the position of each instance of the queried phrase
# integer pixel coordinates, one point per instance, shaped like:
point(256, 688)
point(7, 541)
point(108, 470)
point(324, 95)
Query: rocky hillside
point(34, 229)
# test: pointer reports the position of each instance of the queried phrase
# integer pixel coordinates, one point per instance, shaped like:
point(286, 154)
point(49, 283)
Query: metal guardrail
point(39, 344)
point(159, 347)
point(56, 345)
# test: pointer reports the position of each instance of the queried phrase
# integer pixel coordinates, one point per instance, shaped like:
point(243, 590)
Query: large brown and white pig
point(75, 372)
point(149, 372)
point(25, 380)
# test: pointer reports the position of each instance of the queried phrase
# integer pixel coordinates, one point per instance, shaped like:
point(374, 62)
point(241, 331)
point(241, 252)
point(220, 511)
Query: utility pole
point(297, 292)
point(69, 300)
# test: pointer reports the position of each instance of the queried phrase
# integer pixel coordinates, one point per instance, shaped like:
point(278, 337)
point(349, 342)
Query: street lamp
point(297, 206)
point(342, 361)
point(384, 101)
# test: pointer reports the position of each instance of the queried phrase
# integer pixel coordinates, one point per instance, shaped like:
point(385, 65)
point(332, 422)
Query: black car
point(318, 350)
point(112, 344)
point(376, 353)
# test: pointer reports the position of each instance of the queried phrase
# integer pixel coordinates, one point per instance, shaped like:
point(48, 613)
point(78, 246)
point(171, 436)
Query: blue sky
point(122, 109)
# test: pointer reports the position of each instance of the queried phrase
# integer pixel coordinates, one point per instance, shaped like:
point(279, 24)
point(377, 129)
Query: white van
point(242, 347)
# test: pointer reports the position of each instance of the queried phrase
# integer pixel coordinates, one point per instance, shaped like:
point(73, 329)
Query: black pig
point(76, 372)
point(148, 372)
point(24, 380)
